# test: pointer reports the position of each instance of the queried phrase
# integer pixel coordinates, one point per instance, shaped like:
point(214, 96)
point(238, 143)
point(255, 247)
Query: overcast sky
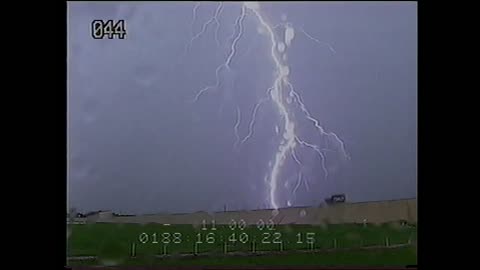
point(137, 143)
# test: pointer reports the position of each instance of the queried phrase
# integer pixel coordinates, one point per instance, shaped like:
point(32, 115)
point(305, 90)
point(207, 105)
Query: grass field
point(114, 243)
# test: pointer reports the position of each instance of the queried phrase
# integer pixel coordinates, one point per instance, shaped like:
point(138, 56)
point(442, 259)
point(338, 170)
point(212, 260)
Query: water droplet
point(289, 35)
point(285, 70)
point(281, 47)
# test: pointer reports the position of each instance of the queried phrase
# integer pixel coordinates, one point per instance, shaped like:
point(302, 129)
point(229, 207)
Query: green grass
point(388, 257)
point(114, 241)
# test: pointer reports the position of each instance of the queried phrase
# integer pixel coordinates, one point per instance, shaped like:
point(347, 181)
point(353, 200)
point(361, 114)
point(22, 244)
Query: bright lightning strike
point(281, 93)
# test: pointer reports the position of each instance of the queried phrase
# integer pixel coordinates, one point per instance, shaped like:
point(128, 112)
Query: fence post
point(387, 243)
point(133, 252)
point(335, 243)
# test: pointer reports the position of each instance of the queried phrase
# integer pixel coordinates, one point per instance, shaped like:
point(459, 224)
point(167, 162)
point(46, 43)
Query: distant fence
point(77, 221)
point(369, 212)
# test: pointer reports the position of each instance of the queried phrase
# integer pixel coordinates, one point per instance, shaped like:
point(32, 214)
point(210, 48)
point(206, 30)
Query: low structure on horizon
point(339, 212)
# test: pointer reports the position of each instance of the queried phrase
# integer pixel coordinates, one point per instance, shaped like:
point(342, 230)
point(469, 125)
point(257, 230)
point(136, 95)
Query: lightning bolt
point(235, 128)
point(300, 178)
point(318, 41)
point(281, 87)
point(294, 156)
point(289, 137)
point(217, 13)
point(194, 15)
point(316, 123)
point(226, 64)
point(288, 24)
point(318, 151)
point(299, 181)
point(213, 19)
point(254, 117)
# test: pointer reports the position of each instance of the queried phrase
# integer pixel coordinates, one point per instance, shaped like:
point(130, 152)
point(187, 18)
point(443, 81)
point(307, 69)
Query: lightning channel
point(318, 151)
point(316, 122)
point(239, 24)
point(213, 19)
point(217, 23)
point(318, 41)
point(254, 116)
point(288, 139)
point(226, 64)
point(294, 156)
point(235, 128)
point(194, 16)
point(299, 181)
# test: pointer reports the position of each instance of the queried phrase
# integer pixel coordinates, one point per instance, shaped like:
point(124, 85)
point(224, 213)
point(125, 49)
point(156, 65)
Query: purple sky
point(138, 145)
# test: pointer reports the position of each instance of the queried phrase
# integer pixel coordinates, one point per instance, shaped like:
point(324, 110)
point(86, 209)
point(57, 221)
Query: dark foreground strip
point(242, 267)
point(259, 253)
point(82, 258)
point(270, 252)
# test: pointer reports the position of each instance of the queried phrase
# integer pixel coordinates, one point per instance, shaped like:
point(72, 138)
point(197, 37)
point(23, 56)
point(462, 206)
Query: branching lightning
point(318, 151)
point(194, 15)
point(300, 178)
point(226, 65)
point(294, 156)
point(288, 24)
point(217, 13)
point(281, 94)
point(214, 19)
point(254, 116)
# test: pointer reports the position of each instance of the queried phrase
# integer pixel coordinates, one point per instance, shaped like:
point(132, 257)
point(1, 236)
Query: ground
point(346, 244)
